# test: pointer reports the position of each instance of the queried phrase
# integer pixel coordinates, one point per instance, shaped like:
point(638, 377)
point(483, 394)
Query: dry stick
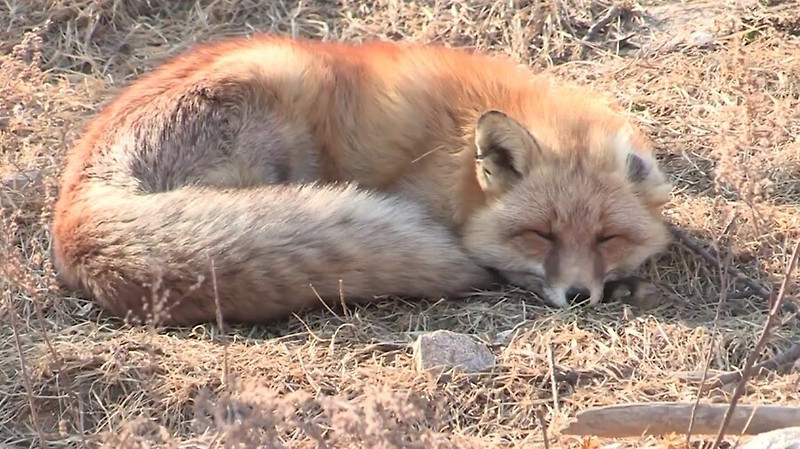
point(612, 13)
point(751, 358)
point(12, 313)
point(77, 413)
point(594, 30)
point(664, 418)
point(575, 376)
point(752, 288)
point(221, 328)
point(543, 425)
point(722, 299)
point(698, 249)
point(771, 364)
point(553, 381)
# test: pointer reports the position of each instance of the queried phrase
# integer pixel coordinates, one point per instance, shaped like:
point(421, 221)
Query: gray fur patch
point(636, 168)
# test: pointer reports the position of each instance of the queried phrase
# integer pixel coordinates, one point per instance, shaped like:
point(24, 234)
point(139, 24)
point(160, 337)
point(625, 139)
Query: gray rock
point(786, 438)
point(700, 39)
point(442, 350)
point(20, 180)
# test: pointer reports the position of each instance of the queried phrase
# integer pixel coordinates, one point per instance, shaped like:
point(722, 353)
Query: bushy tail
point(261, 252)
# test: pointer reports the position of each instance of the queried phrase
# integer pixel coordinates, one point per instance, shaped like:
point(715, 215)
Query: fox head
point(563, 223)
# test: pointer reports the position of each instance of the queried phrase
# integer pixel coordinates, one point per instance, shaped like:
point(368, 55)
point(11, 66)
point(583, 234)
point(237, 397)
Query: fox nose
point(578, 294)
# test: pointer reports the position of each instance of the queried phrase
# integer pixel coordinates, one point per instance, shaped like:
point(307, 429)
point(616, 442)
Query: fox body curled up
point(267, 173)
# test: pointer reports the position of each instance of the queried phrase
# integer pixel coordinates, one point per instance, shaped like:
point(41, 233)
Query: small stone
point(18, 181)
point(12, 186)
point(786, 438)
point(443, 350)
point(700, 39)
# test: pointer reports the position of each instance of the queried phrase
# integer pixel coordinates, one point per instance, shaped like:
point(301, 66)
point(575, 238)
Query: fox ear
point(641, 168)
point(505, 151)
point(636, 168)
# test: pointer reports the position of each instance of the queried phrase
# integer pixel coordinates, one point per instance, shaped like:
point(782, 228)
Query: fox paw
point(632, 290)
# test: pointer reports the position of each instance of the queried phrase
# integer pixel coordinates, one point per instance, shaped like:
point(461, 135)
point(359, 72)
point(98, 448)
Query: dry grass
point(726, 120)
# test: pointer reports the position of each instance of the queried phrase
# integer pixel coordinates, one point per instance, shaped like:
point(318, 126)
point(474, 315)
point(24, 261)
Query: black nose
point(578, 294)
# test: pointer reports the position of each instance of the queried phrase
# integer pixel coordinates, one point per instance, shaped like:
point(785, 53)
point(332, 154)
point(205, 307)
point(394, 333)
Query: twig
point(698, 249)
point(575, 376)
point(773, 363)
point(594, 30)
point(12, 313)
point(77, 412)
point(612, 13)
point(765, 333)
point(543, 426)
point(553, 380)
point(220, 325)
point(722, 299)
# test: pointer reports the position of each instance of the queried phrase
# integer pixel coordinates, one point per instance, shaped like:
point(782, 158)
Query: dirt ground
point(716, 85)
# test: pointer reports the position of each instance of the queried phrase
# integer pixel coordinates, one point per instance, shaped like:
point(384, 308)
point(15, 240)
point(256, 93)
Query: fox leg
point(632, 290)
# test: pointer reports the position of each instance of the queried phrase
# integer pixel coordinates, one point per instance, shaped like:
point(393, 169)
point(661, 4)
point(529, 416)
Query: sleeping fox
point(260, 176)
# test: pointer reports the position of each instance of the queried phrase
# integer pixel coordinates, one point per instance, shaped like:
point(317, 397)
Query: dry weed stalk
point(253, 415)
point(766, 332)
point(23, 365)
point(722, 299)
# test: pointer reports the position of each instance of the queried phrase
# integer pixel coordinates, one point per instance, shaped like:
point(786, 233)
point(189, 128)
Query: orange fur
point(395, 169)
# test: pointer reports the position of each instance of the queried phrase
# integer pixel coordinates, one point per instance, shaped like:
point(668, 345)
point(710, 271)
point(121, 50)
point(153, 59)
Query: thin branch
point(77, 406)
point(698, 249)
point(722, 299)
point(543, 426)
point(220, 324)
point(791, 354)
point(611, 15)
point(12, 313)
point(765, 333)
point(553, 381)
point(574, 377)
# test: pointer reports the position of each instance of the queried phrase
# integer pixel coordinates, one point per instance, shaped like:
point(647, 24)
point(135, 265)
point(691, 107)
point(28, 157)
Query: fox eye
point(549, 236)
point(605, 238)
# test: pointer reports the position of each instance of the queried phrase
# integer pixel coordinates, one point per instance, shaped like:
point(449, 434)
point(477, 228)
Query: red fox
point(259, 176)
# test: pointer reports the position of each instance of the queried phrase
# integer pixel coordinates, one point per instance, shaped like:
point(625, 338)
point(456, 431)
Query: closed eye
point(606, 238)
point(549, 236)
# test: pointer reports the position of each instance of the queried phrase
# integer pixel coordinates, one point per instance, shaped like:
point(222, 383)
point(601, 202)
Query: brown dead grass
point(725, 117)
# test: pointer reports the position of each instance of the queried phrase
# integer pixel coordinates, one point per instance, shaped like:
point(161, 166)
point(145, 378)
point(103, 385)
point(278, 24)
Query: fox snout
point(573, 295)
point(572, 290)
point(578, 294)
point(574, 272)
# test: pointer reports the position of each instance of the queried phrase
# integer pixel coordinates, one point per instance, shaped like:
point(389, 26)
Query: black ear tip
point(492, 113)
point(637, 168)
